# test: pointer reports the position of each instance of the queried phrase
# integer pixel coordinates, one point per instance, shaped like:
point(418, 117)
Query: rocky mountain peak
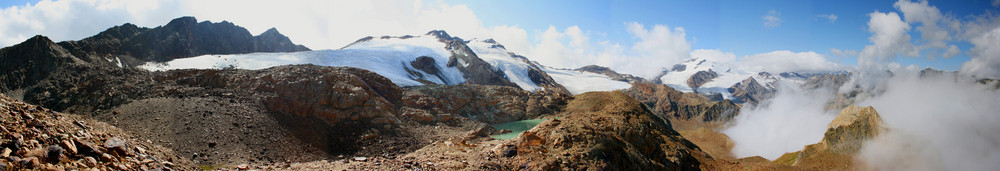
point(273, 41)
point(851, 127)
point(117, 32)
point(701, 77)
point(38, 41)
point(610, 73)
point(30, 61)
point(752, 91)
point(441, 34)
point(271, 32)
point(182, 21)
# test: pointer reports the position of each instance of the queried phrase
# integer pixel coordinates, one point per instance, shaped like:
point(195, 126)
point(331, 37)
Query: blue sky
point(608, 27)
point(730, 25)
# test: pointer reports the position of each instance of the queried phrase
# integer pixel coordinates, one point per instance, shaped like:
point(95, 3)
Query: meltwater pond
point(516, 127)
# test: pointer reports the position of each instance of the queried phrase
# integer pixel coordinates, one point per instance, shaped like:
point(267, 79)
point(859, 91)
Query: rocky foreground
point(42, 139)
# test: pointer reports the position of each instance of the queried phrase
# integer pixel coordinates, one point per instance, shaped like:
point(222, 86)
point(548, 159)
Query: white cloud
point(77, 19)
point(934, 28)
point(936, 123)
point(787, 61)
point(577, 37)
point(996, 3)
point(771, 19)
point(550, 50)
point(951, 52)
point(786, 123)
point(655, 48)
point(831, 17)
point(314, 23)
point(889, 38)
point(714, 55)
point(513, 38)
point(985, 55)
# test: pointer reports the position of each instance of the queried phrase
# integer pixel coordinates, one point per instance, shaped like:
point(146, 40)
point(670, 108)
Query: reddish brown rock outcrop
point(606, 130)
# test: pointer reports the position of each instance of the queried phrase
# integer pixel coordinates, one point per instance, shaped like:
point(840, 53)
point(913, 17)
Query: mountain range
point(213, 96)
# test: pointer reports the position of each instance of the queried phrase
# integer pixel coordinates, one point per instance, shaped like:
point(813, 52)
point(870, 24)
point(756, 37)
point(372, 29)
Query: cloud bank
point(787, 61)
point(944, 122)
point(786, 123)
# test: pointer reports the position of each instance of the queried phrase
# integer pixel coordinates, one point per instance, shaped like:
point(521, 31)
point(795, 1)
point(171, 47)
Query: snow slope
point(387, 57)
point(727, 76)
point(581, 82)
point(516, 69)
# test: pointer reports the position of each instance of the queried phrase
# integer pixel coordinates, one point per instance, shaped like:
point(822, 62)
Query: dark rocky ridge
point(751, 91)
point(181, 37)
point(674, 105)
point(610, 73)
point(30, 61)
point(701, 77)
point(477, 71)
point(129, 45)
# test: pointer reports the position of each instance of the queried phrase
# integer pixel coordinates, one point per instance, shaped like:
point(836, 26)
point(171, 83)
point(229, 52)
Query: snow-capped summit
point(432, 58)
point(724, 76)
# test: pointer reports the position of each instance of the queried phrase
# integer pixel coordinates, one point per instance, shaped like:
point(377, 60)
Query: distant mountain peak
point(38, 41)
point(183, 20)
point(438, 34)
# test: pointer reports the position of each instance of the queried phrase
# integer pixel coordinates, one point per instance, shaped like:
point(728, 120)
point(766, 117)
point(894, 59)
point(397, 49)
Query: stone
point(88, 148)
point(29, 162)
point(116, 166)
point(5, 153)
point(360, 158)
point(117, 146)
point(69, 146)
point(140, 150)
point(105, 157)
point(54, 153)
point(243, 167)
point(90, 161)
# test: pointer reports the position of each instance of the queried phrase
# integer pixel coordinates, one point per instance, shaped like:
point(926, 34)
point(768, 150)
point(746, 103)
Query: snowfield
point(727, 77)
point(387, 57)
point(578, 82)
point(515, 69)
point(391, 58)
